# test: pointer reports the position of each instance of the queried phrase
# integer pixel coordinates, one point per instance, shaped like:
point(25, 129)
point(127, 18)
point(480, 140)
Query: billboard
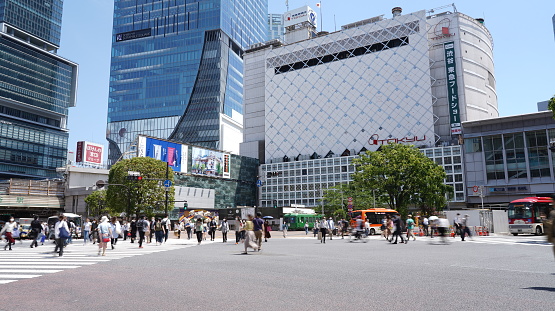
point(452, 88)
point(89, 153)
point(210, 163)
point(135, 34)
point(297, 16)
point(172, 153)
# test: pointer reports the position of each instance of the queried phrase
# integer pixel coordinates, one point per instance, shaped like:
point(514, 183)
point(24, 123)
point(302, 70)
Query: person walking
point(199, 230)
point(397, 233)
point(344, 227)
point(306, 227)
point(238, 229)
point(258, 228)
point(116, 231)
point(166, 225)
point(316, 228)
point(188, 228)
point(464, 227)
point(323, 229)
point(410, 228)
point(150, 232)
point(457, 224)
point(224, 228)
point(267, 229)
point(36, 228)
point(331, 227)
point(125, 229)
point(94, 230)
point(425, 224)
point(159, 231)
point(72, 231)
point(250, 237)
point(142, 229)
point(7, 232)
point(61, 234)
point(442, 225)
point(105, 233)
point(212, 227)
point(284, 229)
point(86, 231)
point(133, 230)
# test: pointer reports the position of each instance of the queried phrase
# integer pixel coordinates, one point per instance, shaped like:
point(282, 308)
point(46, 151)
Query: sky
point(524, 49)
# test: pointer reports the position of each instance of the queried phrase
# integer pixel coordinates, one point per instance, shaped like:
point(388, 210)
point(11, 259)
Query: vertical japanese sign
point(452, 88)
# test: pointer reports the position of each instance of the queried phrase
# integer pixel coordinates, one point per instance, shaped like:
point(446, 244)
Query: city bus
point(527, 215)
point(374, 217)
point(297, 221)
point(76, 219)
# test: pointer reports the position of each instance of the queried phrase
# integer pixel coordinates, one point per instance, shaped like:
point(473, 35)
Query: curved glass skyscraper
point(177, 70)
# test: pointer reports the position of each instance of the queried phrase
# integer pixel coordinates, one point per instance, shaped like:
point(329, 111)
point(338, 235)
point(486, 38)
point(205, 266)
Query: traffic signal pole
point(167, 189)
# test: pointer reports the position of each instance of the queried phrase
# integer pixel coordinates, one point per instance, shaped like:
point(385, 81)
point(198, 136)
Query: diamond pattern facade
point(340, 103)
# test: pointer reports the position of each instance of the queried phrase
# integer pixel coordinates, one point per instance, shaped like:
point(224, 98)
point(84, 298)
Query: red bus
point(527, 215)
point(374, 217)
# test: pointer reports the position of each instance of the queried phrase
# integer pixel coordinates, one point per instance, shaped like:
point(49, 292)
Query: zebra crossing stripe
point(19, 276)
point(7, 281)
point(28, 271)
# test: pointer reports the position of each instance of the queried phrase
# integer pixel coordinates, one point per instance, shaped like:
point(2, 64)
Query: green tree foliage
point(336, 199)
point(96, 202)
point(551, 105)
point(145, 196)
point(403, 175)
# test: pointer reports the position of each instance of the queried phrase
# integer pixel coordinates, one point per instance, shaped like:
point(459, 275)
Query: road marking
point(28, 271)
point(6, 281)
point(5, 268)
point(19, 276)
point(38, 262)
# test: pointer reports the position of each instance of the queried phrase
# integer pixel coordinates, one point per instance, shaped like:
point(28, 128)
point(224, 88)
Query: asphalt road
point(297, 273)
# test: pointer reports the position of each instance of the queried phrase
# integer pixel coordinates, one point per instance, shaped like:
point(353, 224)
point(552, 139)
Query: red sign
point(375, 140)
point(89, 153)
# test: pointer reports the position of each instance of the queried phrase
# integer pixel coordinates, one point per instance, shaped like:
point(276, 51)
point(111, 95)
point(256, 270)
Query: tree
point(146, 195)
point(96, 202)
point(404, 175)
point(551, 105)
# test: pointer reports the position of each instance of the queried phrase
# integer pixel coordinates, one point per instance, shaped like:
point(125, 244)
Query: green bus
point(297, 221)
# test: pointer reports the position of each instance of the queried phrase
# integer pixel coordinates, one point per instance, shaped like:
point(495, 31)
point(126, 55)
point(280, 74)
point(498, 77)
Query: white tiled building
point(410, 79)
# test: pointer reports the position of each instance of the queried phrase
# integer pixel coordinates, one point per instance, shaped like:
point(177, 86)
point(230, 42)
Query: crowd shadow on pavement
point(547, 289)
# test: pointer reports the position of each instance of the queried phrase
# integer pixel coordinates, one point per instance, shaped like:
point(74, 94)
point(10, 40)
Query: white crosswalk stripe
point(24, 262)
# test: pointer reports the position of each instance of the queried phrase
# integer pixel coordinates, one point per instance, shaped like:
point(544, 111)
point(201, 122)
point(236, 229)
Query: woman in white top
point(116, 231)
point(61, 233)
point(86, 231)
point(104, 232)
point(7, 232)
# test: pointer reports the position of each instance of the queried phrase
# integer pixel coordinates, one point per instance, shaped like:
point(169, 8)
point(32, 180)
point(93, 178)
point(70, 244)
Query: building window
point(493, 152)
point(515, 153)
point(537, 153)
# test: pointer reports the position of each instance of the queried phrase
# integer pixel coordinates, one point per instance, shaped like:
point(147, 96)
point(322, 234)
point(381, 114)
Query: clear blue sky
point(524, 49)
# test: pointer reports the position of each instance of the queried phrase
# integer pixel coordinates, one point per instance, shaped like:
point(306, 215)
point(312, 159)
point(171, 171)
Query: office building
point(275, 26)
point(509, 158)
point(37, 88)
point(325, 98)
point(177, 71)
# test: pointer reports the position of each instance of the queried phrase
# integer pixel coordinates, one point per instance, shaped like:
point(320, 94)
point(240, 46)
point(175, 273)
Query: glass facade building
point(275, 26)
point(177, 68)
point(37, 87)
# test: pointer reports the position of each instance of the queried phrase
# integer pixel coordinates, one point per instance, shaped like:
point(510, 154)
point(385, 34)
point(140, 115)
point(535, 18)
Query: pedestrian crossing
point(24, 262)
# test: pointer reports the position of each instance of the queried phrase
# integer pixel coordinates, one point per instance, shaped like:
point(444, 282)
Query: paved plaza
point(295, 273)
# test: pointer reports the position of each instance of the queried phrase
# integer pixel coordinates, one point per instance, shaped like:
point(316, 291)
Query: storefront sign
point(136, 34)
point(375, 140)
point(452, 88)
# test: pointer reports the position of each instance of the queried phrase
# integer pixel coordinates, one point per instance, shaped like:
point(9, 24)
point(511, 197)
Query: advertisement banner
point(89, 153)
point(452, 88)
point(210, 163)
point(297, 16)
point(172, 153)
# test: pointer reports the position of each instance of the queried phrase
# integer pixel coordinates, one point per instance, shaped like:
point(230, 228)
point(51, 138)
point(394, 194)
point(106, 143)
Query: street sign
point(259, 183)
point(167, 183)
point(350, 204)
point(475, 189)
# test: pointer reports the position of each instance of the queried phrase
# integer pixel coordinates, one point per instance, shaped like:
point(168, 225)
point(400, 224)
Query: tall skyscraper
point(177, 70)
point(37, 87)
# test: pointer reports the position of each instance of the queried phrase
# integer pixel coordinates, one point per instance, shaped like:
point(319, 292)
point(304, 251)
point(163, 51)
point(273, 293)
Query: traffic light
point(275, 203)
point(185, 205)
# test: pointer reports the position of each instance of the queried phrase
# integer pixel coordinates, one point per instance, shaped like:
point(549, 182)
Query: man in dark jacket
point(398, 228)
point(36, 228)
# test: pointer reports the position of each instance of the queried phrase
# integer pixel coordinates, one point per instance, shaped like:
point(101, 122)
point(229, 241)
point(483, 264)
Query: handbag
point(63, 233)
point(105, 238)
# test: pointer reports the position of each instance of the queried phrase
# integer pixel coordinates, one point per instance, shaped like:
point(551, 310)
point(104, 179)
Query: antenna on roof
point(287, 4)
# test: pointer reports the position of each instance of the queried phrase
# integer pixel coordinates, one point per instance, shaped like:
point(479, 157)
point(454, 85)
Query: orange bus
point(374, 217)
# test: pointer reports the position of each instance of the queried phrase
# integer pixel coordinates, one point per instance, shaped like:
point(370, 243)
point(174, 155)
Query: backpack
point(158, 226)
point(140, 224)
